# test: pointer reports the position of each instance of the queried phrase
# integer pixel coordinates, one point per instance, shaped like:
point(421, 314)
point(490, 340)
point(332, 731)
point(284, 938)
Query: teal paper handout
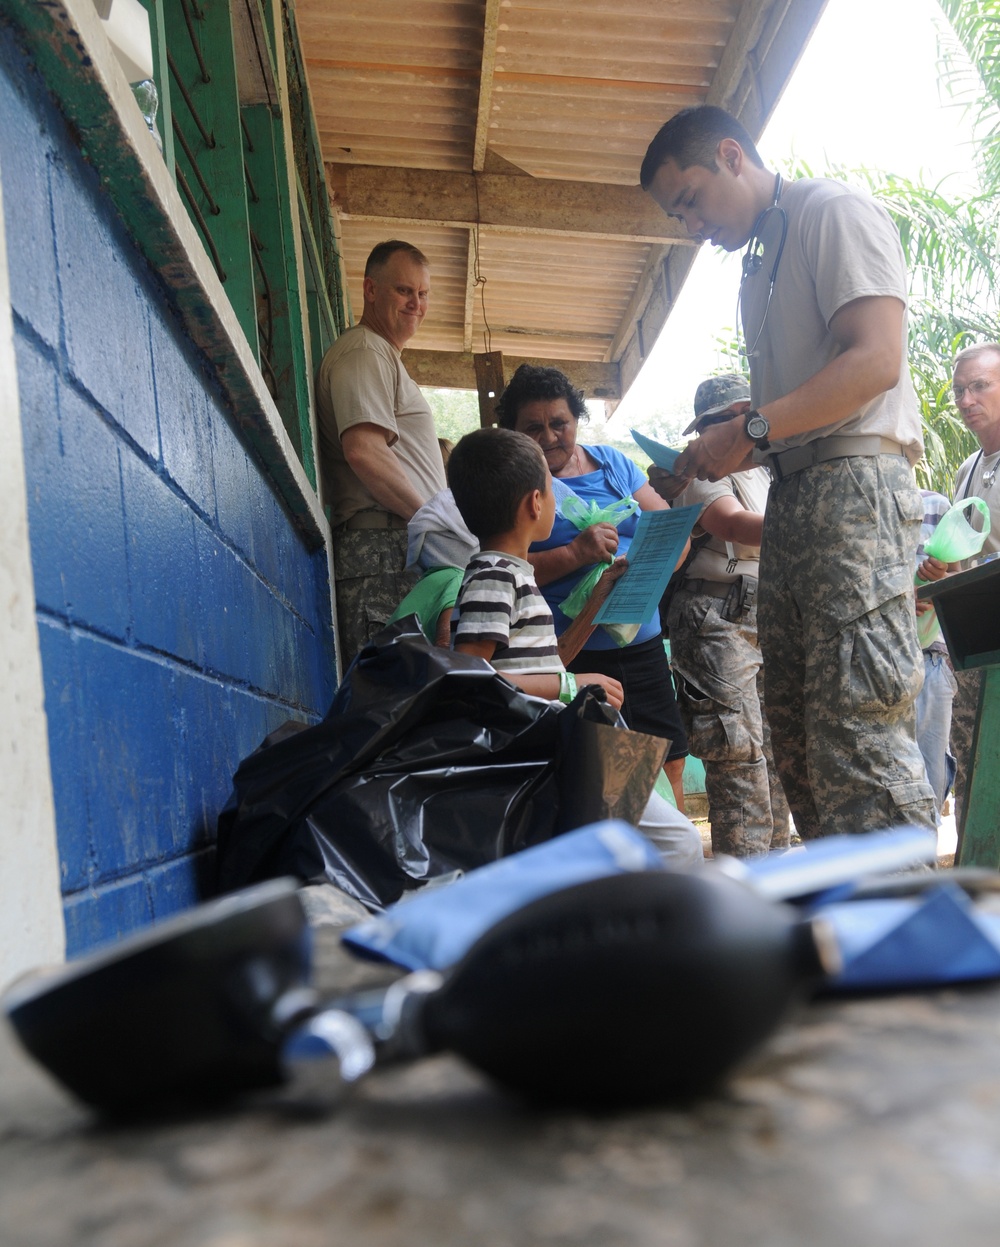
point(652, 556)
point(661, 455)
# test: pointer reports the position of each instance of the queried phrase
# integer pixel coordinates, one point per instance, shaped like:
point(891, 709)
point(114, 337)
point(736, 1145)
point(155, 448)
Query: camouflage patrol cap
point(716, 394)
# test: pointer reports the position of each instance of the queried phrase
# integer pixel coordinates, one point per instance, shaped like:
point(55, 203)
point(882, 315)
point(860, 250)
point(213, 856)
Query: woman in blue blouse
point(543, 403)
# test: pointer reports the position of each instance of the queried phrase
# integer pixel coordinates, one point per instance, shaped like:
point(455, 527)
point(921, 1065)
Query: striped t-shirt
point(500, 602)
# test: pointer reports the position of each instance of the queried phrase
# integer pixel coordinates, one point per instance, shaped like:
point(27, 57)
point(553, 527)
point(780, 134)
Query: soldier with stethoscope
point(835, 419)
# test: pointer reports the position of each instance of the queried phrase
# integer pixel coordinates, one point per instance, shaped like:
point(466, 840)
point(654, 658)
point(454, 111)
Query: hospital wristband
point(567, 686)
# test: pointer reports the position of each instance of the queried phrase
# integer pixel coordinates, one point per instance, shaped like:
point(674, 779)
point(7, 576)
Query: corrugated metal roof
point(504, 138)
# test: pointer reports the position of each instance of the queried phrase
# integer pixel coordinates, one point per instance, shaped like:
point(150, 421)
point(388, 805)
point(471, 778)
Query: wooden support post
point(489, 383)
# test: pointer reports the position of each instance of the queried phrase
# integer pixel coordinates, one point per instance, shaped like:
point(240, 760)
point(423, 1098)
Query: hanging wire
point(213, 207)
point(477, 272)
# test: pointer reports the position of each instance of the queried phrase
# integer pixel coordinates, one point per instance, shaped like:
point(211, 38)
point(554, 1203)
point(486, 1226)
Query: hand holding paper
point(661, 474)
point(661, 455)
point(656, 547)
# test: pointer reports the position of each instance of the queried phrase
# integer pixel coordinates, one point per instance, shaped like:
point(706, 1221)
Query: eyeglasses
point(975, 388)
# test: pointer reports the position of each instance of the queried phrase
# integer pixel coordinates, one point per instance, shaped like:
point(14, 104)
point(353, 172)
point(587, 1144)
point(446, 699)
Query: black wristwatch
point(758, 429)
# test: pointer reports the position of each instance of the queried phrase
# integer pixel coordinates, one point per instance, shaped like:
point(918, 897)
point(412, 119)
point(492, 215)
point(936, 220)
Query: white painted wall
point(31, 922)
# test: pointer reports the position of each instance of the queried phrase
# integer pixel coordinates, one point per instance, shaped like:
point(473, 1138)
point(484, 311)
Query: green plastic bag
point(582, 515)
point(952, 540)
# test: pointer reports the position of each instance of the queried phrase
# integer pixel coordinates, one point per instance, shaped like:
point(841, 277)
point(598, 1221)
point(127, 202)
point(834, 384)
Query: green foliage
point(456, 412)
point(973, 79)
point(731, 359)
point(951, 241)
point(952, 254)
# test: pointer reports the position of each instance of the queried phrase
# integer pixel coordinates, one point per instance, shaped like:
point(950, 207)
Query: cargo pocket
point(884, 666)
point(712, 710)
point(909, 505)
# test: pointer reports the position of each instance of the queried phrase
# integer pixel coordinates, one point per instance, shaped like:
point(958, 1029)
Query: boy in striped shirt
point(502, 488)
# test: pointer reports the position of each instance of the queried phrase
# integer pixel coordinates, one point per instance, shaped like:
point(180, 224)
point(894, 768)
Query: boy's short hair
point(692, 137)
point(489, 472)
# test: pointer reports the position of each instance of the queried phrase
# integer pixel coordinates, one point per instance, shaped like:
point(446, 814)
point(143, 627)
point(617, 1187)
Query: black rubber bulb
point(633, 989)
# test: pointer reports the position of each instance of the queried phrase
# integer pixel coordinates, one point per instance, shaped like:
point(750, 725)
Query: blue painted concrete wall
point(180, 616)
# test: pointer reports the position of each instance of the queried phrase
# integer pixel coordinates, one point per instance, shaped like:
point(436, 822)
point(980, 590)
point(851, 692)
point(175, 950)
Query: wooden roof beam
point(769, 37)
point(491, 22)
point(452, 370)
point(513, 203)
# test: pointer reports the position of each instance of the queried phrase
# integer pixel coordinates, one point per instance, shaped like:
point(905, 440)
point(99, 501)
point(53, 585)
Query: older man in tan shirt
point(379, 454)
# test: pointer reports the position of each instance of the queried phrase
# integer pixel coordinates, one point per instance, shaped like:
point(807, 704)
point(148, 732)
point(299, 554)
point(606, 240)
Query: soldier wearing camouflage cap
point(715, 396)
point(712, 625)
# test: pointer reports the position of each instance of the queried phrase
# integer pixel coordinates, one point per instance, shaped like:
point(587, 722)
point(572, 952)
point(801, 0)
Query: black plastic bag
point(427, 762)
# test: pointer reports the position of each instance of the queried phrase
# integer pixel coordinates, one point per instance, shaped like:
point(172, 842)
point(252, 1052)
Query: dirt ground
point(698, 814)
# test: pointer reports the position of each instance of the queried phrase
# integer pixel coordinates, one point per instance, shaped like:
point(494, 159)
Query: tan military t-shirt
point(361, 380)
point(840, 246)
point(711, 562)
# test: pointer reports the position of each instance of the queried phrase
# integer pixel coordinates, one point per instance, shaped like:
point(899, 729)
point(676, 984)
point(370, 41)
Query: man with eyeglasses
point(976, 390)
point(836, 420)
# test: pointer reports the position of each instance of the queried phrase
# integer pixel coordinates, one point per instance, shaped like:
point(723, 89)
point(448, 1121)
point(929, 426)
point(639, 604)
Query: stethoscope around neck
point(753, 260)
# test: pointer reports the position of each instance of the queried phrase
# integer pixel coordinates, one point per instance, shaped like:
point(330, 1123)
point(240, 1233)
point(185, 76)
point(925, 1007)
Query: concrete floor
point(860, 1123)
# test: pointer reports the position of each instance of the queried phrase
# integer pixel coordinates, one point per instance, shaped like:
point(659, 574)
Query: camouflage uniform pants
point(368, 565)
point(839, 640)
point(719, 677)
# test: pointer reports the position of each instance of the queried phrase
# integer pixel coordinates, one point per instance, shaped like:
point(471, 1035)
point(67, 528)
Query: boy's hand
point(600, 591)
point(615, 692)
point(932, 569)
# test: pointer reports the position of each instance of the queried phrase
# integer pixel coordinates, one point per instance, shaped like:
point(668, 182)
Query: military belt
point(712, 588)
point(373, 519)
point(787, 462)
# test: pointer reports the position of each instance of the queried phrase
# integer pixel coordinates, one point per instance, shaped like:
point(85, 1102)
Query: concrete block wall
point(180, 615)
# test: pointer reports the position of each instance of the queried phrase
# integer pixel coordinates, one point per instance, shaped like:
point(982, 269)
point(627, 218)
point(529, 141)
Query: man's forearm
point(378, 469)
point(726, 520)
point(395, 494)
point(835, 393)
point(869, 334)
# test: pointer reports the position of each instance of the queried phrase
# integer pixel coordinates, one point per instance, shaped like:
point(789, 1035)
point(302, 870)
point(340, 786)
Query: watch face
point(757, 427)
